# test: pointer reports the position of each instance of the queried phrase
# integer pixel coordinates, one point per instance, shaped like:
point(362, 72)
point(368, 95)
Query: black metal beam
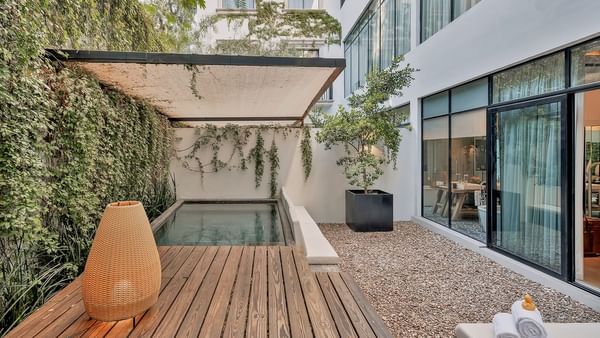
point(190, 59)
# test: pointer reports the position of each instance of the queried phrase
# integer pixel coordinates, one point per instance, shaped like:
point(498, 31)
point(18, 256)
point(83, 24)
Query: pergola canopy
point(213, 88)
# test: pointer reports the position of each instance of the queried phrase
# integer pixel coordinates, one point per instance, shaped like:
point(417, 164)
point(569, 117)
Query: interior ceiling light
point(593, 53)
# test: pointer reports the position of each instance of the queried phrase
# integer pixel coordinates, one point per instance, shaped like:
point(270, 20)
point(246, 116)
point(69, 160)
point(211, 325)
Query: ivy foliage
point(174, 22)
point(369, 125)
point(226, 146)
point(68, 145)
point(267, 30)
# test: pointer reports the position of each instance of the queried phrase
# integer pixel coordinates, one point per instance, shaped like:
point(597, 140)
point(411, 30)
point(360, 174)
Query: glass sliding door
point(528, 204)
point(436, 190)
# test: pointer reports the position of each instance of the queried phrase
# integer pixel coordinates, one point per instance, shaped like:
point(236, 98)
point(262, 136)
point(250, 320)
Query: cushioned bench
point(555, 330)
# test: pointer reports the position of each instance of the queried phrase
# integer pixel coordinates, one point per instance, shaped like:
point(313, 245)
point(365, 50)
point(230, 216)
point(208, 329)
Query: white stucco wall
point(322, 194)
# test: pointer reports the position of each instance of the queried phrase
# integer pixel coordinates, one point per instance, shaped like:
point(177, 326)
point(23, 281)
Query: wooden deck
point(225, 291)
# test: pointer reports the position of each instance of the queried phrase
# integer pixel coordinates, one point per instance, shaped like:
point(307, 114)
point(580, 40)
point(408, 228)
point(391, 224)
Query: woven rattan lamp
point(122, 272)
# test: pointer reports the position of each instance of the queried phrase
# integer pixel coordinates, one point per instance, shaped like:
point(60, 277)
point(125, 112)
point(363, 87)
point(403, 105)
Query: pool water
point(222, 224)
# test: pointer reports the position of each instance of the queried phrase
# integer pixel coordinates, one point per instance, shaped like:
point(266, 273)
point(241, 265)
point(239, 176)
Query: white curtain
point(402, 27)
point(529, 167)
point(435, 15)
point(461, 6)
point(534, 78)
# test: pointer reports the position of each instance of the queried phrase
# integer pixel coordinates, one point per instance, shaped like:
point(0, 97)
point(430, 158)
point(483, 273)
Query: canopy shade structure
point(206, 88)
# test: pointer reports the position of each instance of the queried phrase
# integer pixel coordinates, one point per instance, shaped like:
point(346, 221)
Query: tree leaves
point(369, 124)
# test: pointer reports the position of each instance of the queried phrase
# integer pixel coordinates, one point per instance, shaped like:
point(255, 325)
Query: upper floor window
point(382, 33)
point(239, 4)
point(435, 14)
point(300, 4)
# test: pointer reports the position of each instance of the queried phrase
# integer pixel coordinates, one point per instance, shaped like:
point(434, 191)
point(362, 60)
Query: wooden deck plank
point(177, 262)
point(320, 317)
point(225, 291)
point(190, 327)
point(63, 322)
point(361, 325)
point(54, 303)
point(215, 317)
point(377, 324)
point(342, 321)
point(235, 325)
point(153, 317)
point(179, 309)
point(48, 314)
point(278, 318)
point(257, 310)
point(298, 316)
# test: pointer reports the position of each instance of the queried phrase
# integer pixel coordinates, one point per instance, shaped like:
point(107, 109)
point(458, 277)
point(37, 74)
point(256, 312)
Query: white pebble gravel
point(423, 284)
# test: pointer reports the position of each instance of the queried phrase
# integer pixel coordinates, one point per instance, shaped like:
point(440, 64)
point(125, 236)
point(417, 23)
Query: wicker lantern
point(122, 272)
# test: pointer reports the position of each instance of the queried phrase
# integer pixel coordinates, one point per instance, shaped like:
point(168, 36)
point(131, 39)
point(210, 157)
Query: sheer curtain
point(402, 27)
point(435, 14)
point(529, 149)
point(387, 33)
point(300, 4)
point(461, 6)
point(534, 78)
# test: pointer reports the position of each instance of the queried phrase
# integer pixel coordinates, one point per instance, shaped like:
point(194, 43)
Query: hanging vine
point(257, 156)
point(226, 149)
point(274, 166)
point(306, 147)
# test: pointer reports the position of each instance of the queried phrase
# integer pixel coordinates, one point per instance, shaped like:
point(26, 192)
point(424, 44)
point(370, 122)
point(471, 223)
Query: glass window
point(402, 27)
point(347, 74)
point(528, 188)
point(387, 33)
point(355, 66)
point(435, 170)
point(585, 63)
point(461, 6)
point(470, 96)
point(435, 14)
point(534, 78)
point(435, 105)
point(363, 52)
point(374, 37)
point(239, 4)
point(300, 4)
point(468, 173)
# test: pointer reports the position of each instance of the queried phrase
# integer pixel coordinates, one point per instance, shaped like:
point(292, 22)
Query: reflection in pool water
point(222, 224)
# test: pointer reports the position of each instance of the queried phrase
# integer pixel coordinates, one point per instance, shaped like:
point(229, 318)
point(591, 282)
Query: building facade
point(506, 115)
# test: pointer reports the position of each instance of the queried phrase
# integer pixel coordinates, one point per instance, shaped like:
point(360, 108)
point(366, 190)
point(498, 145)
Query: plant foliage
point(268, 30)
point(226, 149)
point(368, 125)
point(68, 145)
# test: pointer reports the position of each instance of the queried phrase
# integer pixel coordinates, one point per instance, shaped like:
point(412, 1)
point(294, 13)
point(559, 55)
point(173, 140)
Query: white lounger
point(555, 330)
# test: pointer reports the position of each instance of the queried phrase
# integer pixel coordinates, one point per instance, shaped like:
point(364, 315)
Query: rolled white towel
point(504, 326)
point(529, 323)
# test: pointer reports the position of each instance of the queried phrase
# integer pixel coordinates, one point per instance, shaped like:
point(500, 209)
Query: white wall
point(322, 194)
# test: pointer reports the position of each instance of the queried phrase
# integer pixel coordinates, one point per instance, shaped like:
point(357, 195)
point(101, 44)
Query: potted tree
point(370, 133)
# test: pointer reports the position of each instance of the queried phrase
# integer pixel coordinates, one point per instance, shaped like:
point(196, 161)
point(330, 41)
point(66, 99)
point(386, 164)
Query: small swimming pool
point(248, 223)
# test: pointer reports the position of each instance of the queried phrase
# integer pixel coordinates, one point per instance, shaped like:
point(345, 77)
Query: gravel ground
point(423, 284)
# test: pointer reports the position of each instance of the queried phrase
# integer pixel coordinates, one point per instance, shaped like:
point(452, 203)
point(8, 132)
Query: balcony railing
point(327, 96)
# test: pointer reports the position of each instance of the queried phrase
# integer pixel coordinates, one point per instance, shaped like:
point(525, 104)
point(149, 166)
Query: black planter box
point(369, 212)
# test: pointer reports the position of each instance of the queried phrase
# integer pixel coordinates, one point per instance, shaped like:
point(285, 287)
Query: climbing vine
point(274, 166)
point(226, 146)
point(68, 145)
point(306, 147)
point(268, 30)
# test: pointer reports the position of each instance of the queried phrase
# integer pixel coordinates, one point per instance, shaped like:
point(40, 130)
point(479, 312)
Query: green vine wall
point(229, 148)
point(68, 145)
